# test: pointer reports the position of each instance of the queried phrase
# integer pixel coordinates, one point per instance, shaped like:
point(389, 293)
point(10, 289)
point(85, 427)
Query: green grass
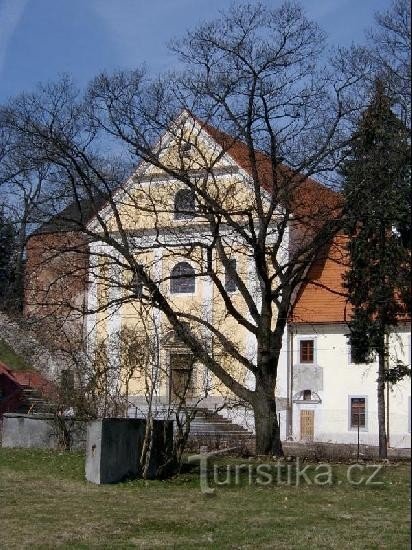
point(11, 359)
point(45, 503)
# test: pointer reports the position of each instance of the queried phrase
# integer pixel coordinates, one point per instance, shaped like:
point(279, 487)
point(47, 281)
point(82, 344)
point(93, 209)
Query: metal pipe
point(387, 415)
point(291, 385)
point(387, 389)
point(287, 430)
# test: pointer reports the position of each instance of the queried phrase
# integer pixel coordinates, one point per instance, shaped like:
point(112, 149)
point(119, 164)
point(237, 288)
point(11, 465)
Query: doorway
point(307, 425)
point(181, 376)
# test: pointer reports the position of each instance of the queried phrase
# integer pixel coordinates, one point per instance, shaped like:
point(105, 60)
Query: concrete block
point(114, 447)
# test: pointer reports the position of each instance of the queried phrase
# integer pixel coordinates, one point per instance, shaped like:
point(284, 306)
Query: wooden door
point(307, 425)
point(181, 376)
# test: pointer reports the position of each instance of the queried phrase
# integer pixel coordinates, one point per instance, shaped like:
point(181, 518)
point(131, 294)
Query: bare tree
point(390, 47)
point(256, 74)
point(385, 57)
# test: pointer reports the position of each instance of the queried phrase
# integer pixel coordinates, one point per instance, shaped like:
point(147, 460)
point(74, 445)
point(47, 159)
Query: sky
point(43, 39)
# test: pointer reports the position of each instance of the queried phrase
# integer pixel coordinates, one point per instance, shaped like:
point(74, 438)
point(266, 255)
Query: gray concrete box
point(114, 447)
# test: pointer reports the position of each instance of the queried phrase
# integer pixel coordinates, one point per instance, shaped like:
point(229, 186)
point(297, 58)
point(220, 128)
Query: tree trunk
point(267, 426)
point(383, 444)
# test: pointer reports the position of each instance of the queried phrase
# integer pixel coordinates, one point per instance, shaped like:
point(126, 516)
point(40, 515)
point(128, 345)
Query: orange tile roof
point(309, 197)
point(322, 297)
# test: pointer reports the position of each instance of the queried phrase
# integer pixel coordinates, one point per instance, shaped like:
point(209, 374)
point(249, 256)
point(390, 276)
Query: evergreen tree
point(377, 217)
point(7, 253)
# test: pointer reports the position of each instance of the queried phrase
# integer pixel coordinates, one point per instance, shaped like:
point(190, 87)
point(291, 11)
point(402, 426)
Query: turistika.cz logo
point(279, 473)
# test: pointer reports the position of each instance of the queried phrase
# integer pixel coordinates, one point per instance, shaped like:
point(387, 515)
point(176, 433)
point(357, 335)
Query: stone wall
point(55, 285)
point(20, 336)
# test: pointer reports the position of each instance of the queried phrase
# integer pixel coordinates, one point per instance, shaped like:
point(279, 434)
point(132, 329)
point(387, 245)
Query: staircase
point(208, 429)
point(207, 422)
point(33, 401)
point(214, 431)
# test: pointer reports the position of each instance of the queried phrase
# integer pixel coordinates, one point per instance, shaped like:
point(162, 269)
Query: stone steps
point(35, 403)
point(208, 424)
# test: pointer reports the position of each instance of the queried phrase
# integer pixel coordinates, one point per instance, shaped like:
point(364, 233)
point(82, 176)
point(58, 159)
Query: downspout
point(387, 389)
point(287, 430)
point(387, 415)
point(289, 434)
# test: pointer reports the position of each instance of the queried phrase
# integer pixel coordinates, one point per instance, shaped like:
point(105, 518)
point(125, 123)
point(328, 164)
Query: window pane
point(306, 351)
point(358, 412)
point(183, 279)
point(230, 283)
point(185, 208)
point(307, 395)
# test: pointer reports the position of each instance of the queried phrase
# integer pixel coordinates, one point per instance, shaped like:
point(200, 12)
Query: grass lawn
point(45, 503)
point(11, 359)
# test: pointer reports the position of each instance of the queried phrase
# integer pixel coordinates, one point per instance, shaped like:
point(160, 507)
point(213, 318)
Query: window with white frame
point(182, 279)
point(357, 412)
point(306, 350)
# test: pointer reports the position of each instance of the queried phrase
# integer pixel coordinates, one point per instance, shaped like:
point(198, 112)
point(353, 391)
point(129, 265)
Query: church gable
point(155, 193)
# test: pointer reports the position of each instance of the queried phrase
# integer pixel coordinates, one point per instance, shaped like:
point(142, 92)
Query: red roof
point(32, 379)
point(308, 199)
point(322, 298)
point(4, 369)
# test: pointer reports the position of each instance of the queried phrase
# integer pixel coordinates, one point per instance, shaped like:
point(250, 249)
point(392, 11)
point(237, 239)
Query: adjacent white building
point(334, 399)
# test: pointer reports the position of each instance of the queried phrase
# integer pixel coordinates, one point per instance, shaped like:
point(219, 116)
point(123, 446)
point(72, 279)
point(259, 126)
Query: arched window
point(182, 279)
point(185, 205)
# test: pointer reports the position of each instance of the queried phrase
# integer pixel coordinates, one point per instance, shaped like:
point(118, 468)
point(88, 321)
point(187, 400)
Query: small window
point(307, 395)
point(185, 205)
point(230, 282)
point(357, 412)
point(182, 279)
point(306, 351)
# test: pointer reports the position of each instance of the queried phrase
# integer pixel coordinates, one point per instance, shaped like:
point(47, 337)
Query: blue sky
point(41, 39)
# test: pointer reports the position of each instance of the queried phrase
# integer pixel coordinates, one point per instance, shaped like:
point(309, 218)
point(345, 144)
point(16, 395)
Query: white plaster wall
point(341, 379)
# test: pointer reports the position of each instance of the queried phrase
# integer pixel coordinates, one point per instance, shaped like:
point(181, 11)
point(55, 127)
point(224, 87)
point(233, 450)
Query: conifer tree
point(7, 240)
point(377, 218)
